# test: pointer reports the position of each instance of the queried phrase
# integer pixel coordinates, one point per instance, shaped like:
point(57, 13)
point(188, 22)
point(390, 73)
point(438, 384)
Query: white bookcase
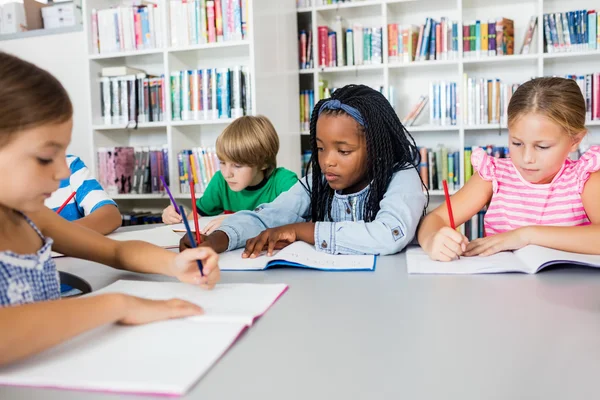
point(410, 80)
point(273, 72)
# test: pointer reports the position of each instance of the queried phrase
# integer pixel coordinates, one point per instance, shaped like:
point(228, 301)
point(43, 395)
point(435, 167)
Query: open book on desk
point(164, 358)
point(529, 260)
point(298, 254)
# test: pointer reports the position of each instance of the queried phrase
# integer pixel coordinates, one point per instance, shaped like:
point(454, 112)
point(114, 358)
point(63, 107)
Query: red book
point(323, 45)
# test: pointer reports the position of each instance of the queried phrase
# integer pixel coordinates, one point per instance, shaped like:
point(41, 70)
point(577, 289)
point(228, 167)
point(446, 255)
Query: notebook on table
point(529, 260)
point(161, 236)
point(161, 358)
point(300, 255)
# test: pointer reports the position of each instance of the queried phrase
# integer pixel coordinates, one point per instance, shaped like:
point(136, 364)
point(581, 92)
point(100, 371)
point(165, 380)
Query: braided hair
point(390, 148)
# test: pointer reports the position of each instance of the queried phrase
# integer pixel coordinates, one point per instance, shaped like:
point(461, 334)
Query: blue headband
point(334, 104)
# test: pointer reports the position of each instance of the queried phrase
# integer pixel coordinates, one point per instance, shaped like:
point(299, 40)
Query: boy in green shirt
point(249, 176)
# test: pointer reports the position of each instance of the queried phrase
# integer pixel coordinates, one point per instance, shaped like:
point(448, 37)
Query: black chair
point(78, 285)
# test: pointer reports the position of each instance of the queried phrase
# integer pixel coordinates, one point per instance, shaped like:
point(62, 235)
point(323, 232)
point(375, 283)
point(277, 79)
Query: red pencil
point(65, 203)
point(195, 211)
point(448, 205)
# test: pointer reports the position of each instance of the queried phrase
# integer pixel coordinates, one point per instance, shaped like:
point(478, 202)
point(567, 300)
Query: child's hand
point(446, 245)
point(142, 311)
point(270, 240)
point(511, 240)
point(186, 269)
point(170, 216)
point(213, 225)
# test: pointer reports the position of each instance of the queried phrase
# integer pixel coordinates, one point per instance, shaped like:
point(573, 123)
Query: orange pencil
point(65, 203)
point(195, 211)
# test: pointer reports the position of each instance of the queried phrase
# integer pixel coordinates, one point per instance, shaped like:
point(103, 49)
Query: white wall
point(63, 55)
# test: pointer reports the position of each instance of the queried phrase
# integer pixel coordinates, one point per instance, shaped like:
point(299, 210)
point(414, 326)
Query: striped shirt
point(516, 202)
point(89, 194)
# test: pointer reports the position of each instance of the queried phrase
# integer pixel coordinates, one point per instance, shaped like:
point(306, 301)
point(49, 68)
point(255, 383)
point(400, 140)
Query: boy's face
point(32, 164)
point(239, 177)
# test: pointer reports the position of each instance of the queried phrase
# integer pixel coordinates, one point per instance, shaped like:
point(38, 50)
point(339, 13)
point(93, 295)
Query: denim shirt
point(394, 226)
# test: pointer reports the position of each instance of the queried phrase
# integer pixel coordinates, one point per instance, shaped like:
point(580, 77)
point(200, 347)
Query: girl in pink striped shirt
point(538, 196)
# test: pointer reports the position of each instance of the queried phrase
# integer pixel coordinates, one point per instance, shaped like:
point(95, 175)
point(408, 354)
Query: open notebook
point(164, 358)
point(297, 254)
point(161, 236)
point(529, 259)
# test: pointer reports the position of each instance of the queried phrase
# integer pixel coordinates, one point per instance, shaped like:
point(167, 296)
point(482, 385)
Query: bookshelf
point(265, 52)
point(409, 80)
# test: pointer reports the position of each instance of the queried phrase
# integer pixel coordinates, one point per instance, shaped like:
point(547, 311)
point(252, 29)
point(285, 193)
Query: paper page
point(165, 358)
point(539, 257)
point(235, 303)
point(297, 253)
point(418, 262)
point(162, 236)
point(202, 222)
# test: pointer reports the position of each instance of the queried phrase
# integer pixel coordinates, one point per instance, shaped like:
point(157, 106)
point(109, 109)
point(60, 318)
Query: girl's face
point(539, 147)
point(342, 152)
point(32, 164)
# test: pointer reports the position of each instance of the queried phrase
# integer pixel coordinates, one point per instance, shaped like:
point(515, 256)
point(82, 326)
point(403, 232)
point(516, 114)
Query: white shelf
point(577, 54)
point(432, 128)
point(484, 127)
point(592, 123)
point(208, 46)
point(132, 126)
point(308, 71)
point(122, 54)
point(143, 196)
point(418, 64)
point(441, 192)
point(353, 4)
point(351, 68)
point(200, 122)
point(501, 59)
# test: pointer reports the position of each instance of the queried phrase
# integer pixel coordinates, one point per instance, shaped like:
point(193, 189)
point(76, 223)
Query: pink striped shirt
point(516, 202)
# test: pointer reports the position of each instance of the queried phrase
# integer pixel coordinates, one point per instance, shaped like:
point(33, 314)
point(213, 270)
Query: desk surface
point(386, 334)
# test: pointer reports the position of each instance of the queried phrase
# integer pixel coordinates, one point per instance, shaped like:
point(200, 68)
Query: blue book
point(432, 40)
point(424, 50)
point(592, 25)
point(298, 255)
point(478, 37)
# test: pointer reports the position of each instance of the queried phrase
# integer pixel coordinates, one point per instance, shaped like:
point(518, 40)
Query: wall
point(64, 56)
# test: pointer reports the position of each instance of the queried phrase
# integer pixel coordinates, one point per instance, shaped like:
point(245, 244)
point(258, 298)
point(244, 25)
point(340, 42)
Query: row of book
point(198, 164)
point(129, 96)
point(571, 31)
point(210, 94)
point(590, 88)
point(129, 170)
point(306, 53)
point(486, 100)
point(207, 21)
point(307, 103)
point(495, 37)
point(126, 28)
point(443, 105)
point(438, 165)
point(474, 228)
point(491, 150)
point(353, 46)
point(430, 41)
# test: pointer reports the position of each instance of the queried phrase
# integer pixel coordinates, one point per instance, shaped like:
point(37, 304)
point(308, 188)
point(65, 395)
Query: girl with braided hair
point(364, 196)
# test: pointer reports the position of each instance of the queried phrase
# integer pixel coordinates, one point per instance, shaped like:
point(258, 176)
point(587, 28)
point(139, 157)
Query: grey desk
point(389, 335)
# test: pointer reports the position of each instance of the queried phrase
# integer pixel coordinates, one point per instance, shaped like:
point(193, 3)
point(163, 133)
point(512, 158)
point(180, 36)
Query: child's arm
point(435, 235)
point(104, 219)
point(136, 256)
point(576, 239)
point(37, 327)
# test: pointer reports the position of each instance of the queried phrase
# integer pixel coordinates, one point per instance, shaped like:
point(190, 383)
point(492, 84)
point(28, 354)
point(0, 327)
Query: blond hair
point(558, 99)
point(250, 141)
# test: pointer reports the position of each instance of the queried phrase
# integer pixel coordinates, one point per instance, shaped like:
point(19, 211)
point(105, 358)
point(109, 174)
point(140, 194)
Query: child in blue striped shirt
point(91, 207)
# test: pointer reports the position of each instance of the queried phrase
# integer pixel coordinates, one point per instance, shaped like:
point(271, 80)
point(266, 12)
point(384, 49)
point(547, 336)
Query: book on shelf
point(571, 31)
point(529, 35)
point(194, 22)
point(430, 41)
point(439, 164)
point(495, 37)
point(486, 101)
point(130, 99)
point(126, 28)
point(415, 112)
point(356, 45)
point(590, 88)
point(210, 94)
point(443, 104)
point(305, 48)
point(307, 103)
point(197, 164)
point(133, 170)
